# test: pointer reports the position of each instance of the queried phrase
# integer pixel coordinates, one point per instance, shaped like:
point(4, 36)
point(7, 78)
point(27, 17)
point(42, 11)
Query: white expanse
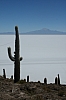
point(43, 56)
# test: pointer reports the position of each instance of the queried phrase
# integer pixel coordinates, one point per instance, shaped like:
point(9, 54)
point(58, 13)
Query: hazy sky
point(32, 15)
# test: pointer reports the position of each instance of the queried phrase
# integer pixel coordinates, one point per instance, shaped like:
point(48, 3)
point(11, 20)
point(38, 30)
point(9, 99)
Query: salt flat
point(43, 56)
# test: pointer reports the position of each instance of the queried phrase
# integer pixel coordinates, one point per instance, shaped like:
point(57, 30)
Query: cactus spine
point(16, 57)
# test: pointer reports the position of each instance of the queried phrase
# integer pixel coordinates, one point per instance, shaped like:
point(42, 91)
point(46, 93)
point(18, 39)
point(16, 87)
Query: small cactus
point(4, 75)
point(38, 81)
point(45, 80)
point(56, 81)
point(27, 78)
point(12, 77)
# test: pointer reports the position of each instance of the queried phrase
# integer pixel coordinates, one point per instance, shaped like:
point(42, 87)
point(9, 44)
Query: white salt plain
point(43, 56)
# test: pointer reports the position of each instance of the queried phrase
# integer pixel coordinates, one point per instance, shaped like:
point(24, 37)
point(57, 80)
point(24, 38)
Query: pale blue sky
point(32, 15)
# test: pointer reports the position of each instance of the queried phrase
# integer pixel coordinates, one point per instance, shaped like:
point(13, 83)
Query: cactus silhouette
point(4, 74)
point(27, 78)
point(16, 57)
point(45, 80)
point(56, 81)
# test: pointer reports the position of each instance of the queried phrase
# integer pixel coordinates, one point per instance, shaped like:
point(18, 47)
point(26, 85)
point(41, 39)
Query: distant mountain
point(7, 33)
point(43, 31)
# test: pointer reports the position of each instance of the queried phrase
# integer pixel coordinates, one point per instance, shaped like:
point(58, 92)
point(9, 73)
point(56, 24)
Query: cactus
point(38, 81)
point(4, 74)
point(56, 81)
point(16, 57)
point(45, 80)
point(12, 77)
point(28, 78)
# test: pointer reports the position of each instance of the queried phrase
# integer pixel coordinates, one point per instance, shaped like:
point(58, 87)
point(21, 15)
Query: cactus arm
point(9, 54)
point(20, 58)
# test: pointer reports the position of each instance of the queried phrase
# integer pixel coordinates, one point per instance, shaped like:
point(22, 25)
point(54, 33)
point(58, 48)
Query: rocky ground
point(30, 91)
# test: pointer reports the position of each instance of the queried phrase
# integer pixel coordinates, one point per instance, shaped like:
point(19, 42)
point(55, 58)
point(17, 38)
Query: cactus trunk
point(16, 57)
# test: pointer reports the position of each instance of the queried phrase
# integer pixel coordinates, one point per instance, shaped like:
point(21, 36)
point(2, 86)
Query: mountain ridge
point(43, 31)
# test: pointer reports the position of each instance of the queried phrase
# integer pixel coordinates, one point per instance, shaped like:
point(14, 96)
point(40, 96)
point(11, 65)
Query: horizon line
point(34, 31)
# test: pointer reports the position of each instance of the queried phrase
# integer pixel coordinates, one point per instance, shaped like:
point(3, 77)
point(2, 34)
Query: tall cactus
point(16, 57)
